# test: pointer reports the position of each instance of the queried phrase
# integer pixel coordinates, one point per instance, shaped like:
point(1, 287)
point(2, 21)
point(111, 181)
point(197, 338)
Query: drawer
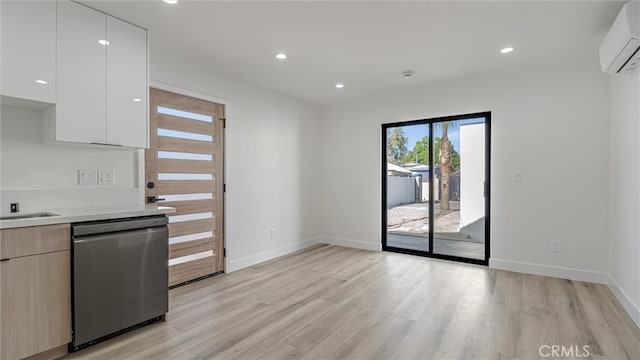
point(34, 240)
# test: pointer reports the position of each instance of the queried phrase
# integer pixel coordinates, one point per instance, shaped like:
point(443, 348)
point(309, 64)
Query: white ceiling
point(367, 45)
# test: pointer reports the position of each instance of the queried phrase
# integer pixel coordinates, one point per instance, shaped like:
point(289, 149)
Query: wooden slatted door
point(184, 169)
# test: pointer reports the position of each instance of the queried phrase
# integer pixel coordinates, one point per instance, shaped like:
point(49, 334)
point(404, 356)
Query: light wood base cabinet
point(35, 294)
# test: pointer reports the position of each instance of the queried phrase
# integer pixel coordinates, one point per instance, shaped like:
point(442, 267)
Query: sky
point(415, 133)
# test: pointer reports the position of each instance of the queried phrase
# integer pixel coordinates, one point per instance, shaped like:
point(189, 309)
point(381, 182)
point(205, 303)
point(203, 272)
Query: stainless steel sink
point(28, 216)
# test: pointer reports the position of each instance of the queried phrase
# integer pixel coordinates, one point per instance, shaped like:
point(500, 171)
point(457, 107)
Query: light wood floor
point(330, 302)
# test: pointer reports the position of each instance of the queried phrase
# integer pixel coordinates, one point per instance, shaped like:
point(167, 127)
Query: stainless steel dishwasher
point(120, 276)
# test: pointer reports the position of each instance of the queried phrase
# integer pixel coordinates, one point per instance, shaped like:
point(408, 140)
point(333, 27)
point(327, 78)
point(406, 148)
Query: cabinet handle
point(97, 143)
point(4, 260)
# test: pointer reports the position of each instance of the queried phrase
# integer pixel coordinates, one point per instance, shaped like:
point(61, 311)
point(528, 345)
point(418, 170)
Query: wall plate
point(106, 177)
point(87, 177)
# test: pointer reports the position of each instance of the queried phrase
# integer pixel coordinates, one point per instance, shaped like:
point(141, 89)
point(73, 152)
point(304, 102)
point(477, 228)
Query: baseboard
point(357, 244)
point(632, 309)
point(234, 265)
point(551, 271)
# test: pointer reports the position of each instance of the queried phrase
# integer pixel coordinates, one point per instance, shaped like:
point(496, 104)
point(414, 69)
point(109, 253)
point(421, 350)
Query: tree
point(420, 153)
point(396, 145)
point(455, 157)
point(445, 160)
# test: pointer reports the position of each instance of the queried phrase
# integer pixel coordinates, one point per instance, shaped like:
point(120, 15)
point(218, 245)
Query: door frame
point(487, 203)
point(141, 159)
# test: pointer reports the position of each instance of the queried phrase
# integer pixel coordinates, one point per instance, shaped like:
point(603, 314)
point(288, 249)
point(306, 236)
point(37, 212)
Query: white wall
point(472, 169)
point(270, 137)
point(44, 176)
point(624, 190)
point(551, 125)
point(400, 190)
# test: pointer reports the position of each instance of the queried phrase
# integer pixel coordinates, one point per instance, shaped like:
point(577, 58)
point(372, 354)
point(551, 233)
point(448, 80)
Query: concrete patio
point(408, 228)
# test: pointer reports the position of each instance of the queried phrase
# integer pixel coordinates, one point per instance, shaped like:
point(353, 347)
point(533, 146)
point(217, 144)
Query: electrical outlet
point(87, 177)
point(106, 177)
point(555, 247)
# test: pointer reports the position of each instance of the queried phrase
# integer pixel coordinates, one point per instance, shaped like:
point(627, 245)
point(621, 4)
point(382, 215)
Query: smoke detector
point(407, 74)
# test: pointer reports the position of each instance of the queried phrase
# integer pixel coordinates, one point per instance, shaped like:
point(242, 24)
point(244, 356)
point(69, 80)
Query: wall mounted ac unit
point(620, 50)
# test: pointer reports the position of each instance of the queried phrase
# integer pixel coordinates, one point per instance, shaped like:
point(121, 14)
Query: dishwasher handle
point(100, 227)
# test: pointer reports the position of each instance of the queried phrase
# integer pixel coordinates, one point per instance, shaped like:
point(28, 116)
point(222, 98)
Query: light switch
point(87, 177)
point(106, 177)
point(517, 176)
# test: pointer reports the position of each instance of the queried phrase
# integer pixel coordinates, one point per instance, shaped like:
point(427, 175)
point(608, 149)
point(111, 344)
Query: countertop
point(85, 214)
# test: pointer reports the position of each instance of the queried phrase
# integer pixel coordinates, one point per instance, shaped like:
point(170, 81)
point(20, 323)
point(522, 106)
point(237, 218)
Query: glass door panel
point(406, 179)
point(459, 188)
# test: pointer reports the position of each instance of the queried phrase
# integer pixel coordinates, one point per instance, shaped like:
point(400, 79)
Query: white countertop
point(85, 214)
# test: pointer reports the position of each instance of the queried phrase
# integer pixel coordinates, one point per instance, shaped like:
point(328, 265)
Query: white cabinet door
point(29, 50)
point(81, 63)
point(127, 120)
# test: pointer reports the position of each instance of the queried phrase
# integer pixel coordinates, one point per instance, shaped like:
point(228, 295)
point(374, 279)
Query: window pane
point(192, 257)
point(190, 217)
point(190, 237)
point(185, 135)
point(184, 114)
point(176, 176)
point(183, 156)
point(184, 197)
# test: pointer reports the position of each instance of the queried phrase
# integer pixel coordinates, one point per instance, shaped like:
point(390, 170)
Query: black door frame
point(487, 203)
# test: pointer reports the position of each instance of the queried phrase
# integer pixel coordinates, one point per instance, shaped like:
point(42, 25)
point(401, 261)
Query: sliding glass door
point(435, 176)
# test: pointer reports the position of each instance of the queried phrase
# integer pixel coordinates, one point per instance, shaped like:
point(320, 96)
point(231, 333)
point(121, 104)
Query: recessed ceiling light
point(281, 55)
point(506, 50)
point(103, 42)
point(172, 2)
point(41, 82)
point(339, 85)
point(137, 100)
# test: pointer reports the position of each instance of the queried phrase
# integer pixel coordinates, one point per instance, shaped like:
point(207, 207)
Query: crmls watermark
point(574, 351)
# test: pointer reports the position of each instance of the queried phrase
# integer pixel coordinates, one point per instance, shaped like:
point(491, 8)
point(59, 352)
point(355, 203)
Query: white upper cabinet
point(92, 66)
point(28, 33)
point(102, 79)
point(126, 84)
point(81, 62)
